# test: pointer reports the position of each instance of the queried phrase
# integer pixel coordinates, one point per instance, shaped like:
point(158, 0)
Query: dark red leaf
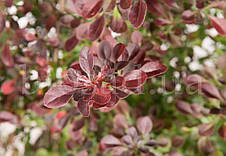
point(104, 50)
point(155, 8)
point(200, 4)
point(136, 37)
point(118, 25)
point(193, 80)
point(102, 96)
point(121, 94)
point(8, 87)
point(8, 117)
point(7, 57)
point(137, 13)
point(118, 50)
point(183, 107)
point(58, 96)
point(144, 125)
point(153, 69)
point(91, 8)
point(125, 4)
point(133, 50)
point(135, 78)
point(171, 3)
point(132, 132)
point(119, 151)
point(127, 139)
point(120, 121)
point(222, 132)
point(50, 22)
point(82, 31)
point(206, 129)
point(96, 28)
point(77, 124)
point(110, 141)
point(2, 23)
point(219, 24)
point(86, 60)
point(71, 43)
point(84, 107)
point(210, 91)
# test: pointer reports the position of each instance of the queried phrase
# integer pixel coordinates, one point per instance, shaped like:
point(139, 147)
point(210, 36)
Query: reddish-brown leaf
point(210, 91)
point(104, 50)
point(155, 8)
point(206, 129)
point(118, 50)
point(135, 78)
point(58, 96)
point(82, 31)
point(125, 4)
point(144, 125)
point(183, 107)
point(86, 60)
point(137, 13)
point(8, 86)
point(110, 141)
point(91, 8)
point(71, 43)
point(118, 25)
point(96, 28)
point(153, 69)
point(188, 17)
point(7, 57)
point(219, 24)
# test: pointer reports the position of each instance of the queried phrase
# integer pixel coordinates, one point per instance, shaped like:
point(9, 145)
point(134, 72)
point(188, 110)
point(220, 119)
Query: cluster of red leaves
point(100, 80)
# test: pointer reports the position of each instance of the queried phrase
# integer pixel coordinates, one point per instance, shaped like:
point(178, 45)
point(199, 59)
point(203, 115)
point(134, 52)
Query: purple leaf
point(84, 107)
point(144, 125)
point(154, 7)
point(118, 50)
point(104, 50)
point(118, 25)
point(133, 50)
point(71, 43)
point(135, 78)
point(82, 31)
point(86, 60)
point(183, 107)
point(210, 91)
point(110, 141)
point(137, 13)
point(96, 28)
point(102, 96)
point(91, 8)
point(206, 129)
point(153, 69)
point(58, 96)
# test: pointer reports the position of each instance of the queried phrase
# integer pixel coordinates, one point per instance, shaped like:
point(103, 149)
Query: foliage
point(153, 72)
